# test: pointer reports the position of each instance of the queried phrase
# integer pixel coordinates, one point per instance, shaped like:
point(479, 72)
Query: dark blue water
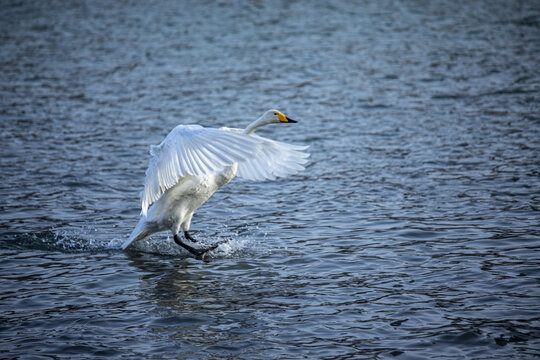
point(414, 232)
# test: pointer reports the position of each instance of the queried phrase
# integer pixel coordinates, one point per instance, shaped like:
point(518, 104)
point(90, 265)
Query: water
point(413, 233)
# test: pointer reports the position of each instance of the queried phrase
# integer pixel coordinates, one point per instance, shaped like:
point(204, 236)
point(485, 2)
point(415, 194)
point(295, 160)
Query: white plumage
point(192, 162)
point(192, 150)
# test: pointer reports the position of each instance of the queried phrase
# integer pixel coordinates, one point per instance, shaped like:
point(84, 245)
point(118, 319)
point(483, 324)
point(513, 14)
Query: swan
point(193, 162)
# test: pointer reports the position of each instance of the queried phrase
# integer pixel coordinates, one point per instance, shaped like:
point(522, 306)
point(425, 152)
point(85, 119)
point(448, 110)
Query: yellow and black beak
point(283, 118)
point(290, 120)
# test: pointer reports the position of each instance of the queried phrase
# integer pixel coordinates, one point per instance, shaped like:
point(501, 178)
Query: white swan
point(193, 162)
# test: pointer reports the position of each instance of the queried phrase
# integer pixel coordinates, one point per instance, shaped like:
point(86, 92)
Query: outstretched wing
point(193, 150)
point(273, 159)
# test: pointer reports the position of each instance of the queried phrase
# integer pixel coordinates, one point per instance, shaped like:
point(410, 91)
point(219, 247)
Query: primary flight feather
point(192, 162)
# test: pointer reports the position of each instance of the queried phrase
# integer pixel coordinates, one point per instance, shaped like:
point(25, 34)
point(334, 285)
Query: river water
point(413, 233)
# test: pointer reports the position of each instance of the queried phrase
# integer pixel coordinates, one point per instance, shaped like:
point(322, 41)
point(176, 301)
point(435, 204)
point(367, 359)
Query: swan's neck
point(255, 125)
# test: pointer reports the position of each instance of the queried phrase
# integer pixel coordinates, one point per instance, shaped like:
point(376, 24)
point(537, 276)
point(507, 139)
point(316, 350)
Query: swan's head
point(275, 116)
point(270, 117)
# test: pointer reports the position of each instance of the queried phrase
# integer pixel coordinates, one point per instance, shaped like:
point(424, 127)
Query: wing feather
point(193, 150)
point(200, 159)
point(192, 158)
point(274, 159)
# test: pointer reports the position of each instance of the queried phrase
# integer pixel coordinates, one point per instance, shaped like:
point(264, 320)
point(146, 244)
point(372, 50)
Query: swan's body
point(194, 162)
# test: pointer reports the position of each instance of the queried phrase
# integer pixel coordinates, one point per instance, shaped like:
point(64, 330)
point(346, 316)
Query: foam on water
point(84, 240)
point(228, 247)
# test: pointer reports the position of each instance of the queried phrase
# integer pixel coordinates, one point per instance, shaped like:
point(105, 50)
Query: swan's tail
point(140, 232)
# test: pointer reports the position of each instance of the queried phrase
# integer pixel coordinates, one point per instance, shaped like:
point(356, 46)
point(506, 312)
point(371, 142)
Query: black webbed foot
point(188, 236)
point(199, 253)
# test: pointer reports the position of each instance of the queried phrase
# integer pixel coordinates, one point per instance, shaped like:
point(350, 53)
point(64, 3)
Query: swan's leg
point(196, 252)
point(185, 226)
point(188, 236)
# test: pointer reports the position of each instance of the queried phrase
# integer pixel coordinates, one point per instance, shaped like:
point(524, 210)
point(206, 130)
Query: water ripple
point(412, 233)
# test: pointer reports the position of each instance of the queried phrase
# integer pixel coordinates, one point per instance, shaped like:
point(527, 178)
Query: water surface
point(413, 233)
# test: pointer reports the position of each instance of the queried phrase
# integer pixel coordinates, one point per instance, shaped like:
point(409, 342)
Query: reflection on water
point(413, 233)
